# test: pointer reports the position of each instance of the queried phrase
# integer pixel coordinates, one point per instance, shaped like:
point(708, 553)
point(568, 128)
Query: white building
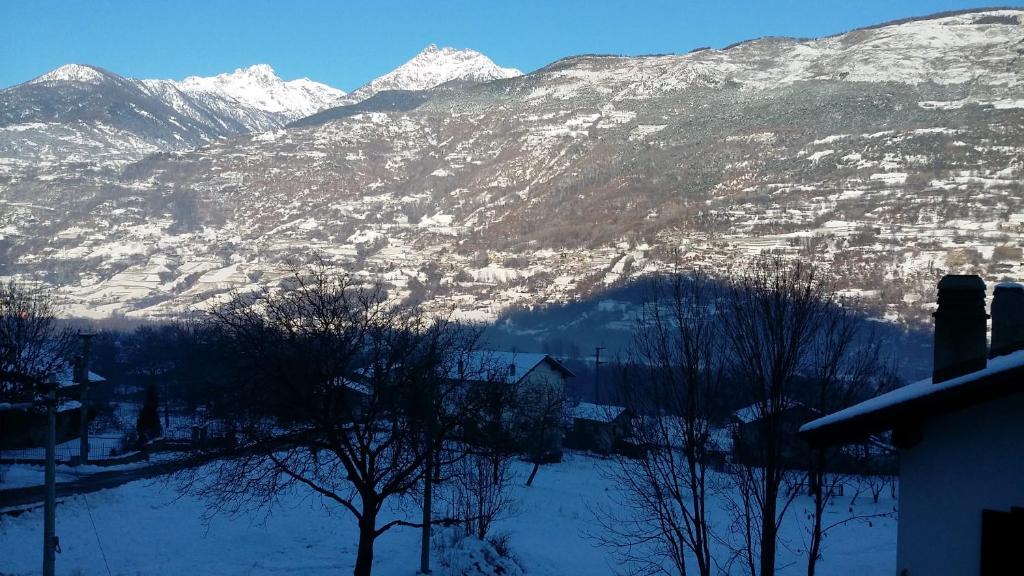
point(520, 368)
point(960, 436)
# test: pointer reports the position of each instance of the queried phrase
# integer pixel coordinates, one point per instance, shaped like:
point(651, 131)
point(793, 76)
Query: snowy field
point(148, 528)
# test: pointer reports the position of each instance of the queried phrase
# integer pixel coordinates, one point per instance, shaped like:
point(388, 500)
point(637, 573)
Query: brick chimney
point(960, 327)
point(1007, 319)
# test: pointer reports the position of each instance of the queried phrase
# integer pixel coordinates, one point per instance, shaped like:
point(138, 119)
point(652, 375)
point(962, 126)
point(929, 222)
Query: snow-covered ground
point(23, 475)
point(146, 527)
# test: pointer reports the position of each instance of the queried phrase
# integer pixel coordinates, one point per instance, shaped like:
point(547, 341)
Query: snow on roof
point(485, 364)
point(352, 385)
point(753, 413)
point(919, 390)
point(66, 377)
point(596, 412)
point(68, 405)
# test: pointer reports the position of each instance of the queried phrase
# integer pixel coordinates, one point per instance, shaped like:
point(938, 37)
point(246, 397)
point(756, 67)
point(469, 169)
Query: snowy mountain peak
point(259, 87)
point(432, 67)
point(73, 73)
point(260, 73)
point(446, 64)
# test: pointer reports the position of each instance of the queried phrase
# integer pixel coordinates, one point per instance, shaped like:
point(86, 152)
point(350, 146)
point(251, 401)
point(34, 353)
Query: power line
point(97, 533)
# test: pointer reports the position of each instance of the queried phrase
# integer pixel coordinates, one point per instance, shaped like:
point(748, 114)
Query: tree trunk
point(533, 474)
point(815, 549)
point(816, 482)
point(771, 502)
point(428, 481)
point(367, 534)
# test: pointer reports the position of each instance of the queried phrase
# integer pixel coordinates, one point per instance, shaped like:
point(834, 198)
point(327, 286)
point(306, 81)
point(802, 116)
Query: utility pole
point(597, 374)
point(50, 507)
point(429, 464)
point(82, 374)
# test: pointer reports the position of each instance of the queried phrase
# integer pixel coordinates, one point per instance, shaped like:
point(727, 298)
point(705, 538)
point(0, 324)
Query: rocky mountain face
point(891, 155)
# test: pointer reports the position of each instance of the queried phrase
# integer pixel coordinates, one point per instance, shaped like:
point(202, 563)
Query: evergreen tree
point(148, 423)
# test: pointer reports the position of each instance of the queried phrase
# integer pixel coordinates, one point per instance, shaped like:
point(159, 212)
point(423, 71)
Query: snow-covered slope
point(434, 66)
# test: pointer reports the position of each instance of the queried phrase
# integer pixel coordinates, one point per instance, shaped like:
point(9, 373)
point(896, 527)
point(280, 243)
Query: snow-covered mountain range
point(80, 111)
point(891, 154)
point(257, 87)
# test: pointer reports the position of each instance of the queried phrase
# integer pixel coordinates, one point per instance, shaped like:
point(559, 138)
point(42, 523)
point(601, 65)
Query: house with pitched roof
point(960, 437)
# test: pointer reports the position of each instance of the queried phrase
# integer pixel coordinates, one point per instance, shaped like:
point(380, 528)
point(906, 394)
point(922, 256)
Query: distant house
point(533, 378)
point(960, 436)
point(70, 387)
point(649, 432)
point(748, 425)
point(484, 367)
point(26, 428)
point(523, 372)
point(597, 428)
point(517, 368)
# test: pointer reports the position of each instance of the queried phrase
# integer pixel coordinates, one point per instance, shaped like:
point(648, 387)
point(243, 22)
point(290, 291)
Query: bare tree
point(539, 421)
point(671, 383)
point(845, 366)
point(480, 492)
point(331, 383)
point(771, 319)
point(791, 343)
point(33, 348)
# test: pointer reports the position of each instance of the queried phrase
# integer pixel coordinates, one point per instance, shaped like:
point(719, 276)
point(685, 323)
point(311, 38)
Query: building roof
point(357, 387)
point(752, 413)
point(1002, 376)
point(486, 364)
point(66, 377)
point(482, 365)
point(596, 412)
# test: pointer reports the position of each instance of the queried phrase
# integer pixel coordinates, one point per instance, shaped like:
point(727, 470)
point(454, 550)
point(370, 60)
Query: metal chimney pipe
point(960, 327)
point(1007, 319)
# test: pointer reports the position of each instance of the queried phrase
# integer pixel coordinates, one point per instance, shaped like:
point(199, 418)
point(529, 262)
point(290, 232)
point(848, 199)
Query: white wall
point(968, 461)
point(543, 373)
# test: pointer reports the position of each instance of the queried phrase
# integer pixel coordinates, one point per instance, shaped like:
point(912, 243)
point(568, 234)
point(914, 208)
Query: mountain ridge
point(889, 156)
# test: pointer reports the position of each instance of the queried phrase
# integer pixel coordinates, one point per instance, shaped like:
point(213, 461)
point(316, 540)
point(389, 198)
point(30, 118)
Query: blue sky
point(346, 43)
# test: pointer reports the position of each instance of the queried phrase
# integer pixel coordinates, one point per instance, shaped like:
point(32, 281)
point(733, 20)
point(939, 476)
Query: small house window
point(1001, 535)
